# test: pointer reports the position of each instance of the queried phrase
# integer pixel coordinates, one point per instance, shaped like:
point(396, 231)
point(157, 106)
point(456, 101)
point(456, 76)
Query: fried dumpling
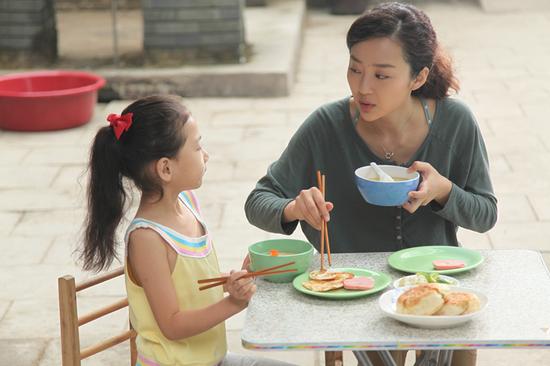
point(420, 300)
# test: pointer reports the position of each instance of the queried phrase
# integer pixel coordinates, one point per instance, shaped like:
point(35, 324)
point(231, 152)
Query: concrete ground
point(502, 60)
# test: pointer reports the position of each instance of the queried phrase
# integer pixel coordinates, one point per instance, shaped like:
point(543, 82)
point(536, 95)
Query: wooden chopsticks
point(324, 227)
point(217, 281)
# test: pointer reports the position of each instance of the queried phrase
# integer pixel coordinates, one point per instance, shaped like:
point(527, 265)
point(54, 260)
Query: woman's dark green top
point(327, 141)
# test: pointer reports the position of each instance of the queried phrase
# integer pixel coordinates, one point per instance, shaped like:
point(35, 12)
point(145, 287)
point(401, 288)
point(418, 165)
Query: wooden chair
point(70, 322)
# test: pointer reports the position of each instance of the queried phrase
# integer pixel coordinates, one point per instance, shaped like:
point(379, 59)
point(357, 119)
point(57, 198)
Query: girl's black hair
point(412, 28)
point(156, 132)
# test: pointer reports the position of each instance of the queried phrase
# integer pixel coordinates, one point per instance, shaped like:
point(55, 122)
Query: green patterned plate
point(381, 281)
point(419, 259)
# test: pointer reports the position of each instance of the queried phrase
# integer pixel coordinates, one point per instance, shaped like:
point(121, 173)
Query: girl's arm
point(148, 258)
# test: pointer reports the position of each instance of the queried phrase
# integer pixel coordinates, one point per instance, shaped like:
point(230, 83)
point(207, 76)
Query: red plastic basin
point(47, 100)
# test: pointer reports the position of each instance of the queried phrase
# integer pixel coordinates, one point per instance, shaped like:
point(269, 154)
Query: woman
point(399, 113)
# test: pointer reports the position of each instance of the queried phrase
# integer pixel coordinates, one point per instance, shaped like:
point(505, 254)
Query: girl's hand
point(310, 206)
point(240, 290)
point(434, 186)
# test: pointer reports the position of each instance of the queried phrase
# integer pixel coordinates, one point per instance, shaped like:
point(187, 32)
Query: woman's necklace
point(388, 154)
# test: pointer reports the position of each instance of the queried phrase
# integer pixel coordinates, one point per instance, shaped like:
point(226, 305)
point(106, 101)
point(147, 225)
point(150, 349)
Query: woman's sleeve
point(472, 204)
point(284, 180)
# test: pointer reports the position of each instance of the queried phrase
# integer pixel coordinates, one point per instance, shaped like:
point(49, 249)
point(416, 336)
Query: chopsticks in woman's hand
point(324, 227)
point(217, 281)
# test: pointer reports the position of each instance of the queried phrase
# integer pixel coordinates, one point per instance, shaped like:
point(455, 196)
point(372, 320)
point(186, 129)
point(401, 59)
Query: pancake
point(329, 275)
point(323, 286)
point(328, 285)
point(322, 276)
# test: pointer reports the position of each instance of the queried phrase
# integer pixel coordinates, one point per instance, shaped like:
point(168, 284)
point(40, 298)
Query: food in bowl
point(424, 299)
point(383, 193)
point(423, 277)
point(436, 299)
point(277, 253)
point(289, 250)
point(458, 303)
point(395, 179)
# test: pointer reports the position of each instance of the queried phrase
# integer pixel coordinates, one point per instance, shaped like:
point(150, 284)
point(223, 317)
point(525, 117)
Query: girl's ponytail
point(106, 199)
point(440, 79)
point(148, 129)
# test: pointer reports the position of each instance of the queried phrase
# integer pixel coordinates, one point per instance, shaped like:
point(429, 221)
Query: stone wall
point(96, 4)
point(28, 34)
point(193, 31)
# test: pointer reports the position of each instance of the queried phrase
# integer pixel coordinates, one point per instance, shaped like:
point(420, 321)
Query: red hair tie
point(120, 123)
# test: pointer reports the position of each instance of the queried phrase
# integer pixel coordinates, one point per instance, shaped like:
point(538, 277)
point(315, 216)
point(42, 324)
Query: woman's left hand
point(434, 186)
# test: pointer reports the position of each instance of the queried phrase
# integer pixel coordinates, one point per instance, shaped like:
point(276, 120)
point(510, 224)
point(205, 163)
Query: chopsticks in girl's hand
point(264, 272)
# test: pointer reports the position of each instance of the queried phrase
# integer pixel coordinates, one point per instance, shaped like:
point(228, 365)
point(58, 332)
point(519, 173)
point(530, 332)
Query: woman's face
point(379, 77)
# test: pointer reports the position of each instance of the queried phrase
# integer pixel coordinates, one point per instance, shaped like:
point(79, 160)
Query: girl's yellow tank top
point(196, 259)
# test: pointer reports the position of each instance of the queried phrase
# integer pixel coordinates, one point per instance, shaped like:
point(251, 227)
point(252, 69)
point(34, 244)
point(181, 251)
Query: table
point(517, 283)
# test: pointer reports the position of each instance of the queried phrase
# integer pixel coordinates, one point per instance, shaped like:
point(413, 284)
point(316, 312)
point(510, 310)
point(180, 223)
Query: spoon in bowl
point(384, 177)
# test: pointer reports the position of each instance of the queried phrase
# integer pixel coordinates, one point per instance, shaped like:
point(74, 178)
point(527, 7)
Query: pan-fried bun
point(456, 303)
point(420, 300)
point(473, 304)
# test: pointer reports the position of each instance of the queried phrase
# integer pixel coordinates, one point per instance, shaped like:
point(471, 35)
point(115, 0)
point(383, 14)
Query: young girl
point(399, 113)
point(155, 144)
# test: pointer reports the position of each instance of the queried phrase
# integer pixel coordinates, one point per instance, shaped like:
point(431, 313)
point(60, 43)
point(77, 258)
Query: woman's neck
point(394, 126)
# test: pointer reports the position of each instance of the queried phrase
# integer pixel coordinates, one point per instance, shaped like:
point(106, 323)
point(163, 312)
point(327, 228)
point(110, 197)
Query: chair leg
point(68, 319)
point(334, 358)
point(133, 348)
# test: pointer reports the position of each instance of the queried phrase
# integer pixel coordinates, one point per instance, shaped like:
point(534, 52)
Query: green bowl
point(291, 250)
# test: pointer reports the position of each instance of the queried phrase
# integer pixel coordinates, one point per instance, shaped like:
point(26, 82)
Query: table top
point(517, 283)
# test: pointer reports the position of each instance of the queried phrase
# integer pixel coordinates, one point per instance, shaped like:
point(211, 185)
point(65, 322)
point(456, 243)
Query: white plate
point(454, 281)
point(388, 301)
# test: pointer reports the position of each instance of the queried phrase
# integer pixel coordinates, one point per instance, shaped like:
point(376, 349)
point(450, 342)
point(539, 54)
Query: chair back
point(71, 354)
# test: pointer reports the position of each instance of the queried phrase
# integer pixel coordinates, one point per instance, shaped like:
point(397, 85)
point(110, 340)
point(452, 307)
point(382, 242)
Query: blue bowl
point(380, 193)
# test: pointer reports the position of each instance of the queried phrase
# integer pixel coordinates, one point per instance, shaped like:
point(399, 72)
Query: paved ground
point(502, 60)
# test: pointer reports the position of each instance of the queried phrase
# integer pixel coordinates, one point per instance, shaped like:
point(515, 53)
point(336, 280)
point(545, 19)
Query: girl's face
point(190, 162)
point(379, 77)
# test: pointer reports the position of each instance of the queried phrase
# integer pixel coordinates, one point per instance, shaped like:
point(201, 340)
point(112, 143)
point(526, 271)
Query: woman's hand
point(240, 289)
point(434, 186)
point(310, 206)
